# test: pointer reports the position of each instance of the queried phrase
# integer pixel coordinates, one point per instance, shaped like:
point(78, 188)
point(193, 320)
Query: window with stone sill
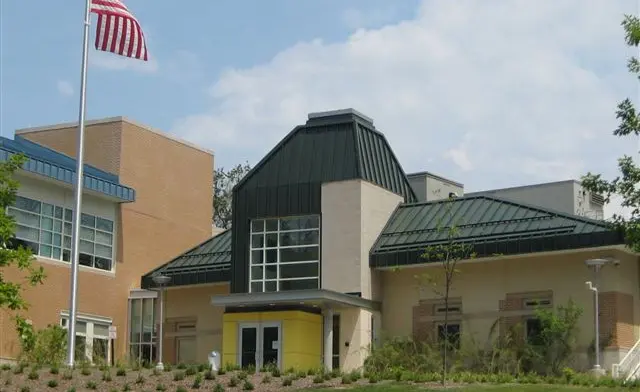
point(46, 229)
point(285, 254)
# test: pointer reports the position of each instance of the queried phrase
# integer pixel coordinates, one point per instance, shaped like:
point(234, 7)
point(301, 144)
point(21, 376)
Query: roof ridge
point(513, 203)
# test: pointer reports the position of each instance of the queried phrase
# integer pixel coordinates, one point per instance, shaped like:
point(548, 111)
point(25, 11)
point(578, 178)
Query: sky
point(485, 92)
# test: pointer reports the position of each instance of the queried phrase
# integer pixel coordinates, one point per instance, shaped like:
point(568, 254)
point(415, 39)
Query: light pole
point(596, 264)
point(161, 281)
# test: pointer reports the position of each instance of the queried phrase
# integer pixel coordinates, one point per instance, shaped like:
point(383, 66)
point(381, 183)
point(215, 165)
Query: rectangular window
point(142, 329)
point(92, 340)
point(46, 229)
point(450, 334)
point(285, 254)
point(533, 331)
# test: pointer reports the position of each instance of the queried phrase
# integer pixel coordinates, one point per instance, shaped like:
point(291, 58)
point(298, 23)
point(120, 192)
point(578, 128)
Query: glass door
point(248, 345)
point(259, 344)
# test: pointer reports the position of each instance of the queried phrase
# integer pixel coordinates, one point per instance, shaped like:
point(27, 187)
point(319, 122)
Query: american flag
point(118, 31)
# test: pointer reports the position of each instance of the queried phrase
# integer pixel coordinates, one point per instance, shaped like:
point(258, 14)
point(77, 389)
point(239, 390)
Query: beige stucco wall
point(483, 284)
point(194, 303)
point(354, 213)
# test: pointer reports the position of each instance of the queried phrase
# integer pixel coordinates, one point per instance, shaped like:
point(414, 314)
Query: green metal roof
point(328, 148)
point(208, 262)
point(491, 225)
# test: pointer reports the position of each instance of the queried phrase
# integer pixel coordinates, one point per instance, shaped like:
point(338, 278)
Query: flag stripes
point(118, 31)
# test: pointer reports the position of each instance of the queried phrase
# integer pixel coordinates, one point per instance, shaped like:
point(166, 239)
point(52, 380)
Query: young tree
point(19, 258)
point(448, 253)
point(625, 184)
point(223, 183)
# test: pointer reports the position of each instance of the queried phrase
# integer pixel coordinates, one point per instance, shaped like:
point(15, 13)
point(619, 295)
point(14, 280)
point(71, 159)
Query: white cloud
point(491, 94)
point(358, 18)
point(65, 88)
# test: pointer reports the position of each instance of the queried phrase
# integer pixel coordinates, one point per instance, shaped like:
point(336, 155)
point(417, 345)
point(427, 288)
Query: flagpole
point(73, 295)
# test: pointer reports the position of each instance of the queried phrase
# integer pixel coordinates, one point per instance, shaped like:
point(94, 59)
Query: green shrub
point(161, 388)
point(126, 387)
point(54, 370)
point(25, 389)
point(336, 373)
point(218, 388)
point(242, 376)
point(355, 375)
point(373, 378)
point(248, 386)
point(140, 379)
point(191, 370)
point(209, 375)
point(318, 379)
point(71, 389)
point(275, 372)
point(178, 376)
point(346, 380)
point(233, 382)
point(181, 389)
point(301, 374)
point(266, 379)
point(47, 346)
point(106, 376)
point(222, 372)
point(287, 382)
point(197, 382)
point(67, 374)
point(86, 370)
point(52, 383)
point(121, 372)
point(167, 367)
point(203, 367)
point(5, 367)
point(181, 366)
point(33, 374)
point(91, 385)
point(19, 369)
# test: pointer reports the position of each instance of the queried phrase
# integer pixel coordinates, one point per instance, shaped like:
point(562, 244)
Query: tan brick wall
point(172, 212)
point(425, 317)
point(616, 319)
point(512, 308)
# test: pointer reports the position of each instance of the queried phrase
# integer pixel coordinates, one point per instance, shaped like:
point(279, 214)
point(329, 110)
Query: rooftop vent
point(339, 113)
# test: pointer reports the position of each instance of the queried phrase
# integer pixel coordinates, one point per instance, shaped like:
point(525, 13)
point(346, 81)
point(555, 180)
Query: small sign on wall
point(112, 332)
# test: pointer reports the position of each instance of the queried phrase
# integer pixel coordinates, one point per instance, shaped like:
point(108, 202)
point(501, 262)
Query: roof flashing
point(338, 114)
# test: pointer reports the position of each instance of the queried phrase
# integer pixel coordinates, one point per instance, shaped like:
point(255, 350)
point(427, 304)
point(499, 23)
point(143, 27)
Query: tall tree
point(19, 258)
point(448, 253)
point(626, 183)
point(223, 183)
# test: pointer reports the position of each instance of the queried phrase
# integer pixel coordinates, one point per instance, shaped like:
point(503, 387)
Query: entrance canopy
point(312, 298)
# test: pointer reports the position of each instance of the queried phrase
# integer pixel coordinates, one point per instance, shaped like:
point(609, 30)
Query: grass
point(474, 388)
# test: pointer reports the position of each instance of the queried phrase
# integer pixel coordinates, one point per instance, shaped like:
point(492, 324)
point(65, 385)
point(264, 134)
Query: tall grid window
point(142, 329)
point(46, 229)
point(285, 254)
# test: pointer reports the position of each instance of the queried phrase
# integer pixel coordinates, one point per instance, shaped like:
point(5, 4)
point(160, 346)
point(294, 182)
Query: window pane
point(104, 225)
point(85, 259)
point(81, 327)
point(308, 284)
point(310, 253)
point(257, 226)
point(272, 256)
point(257, 256)
point(67, 242)
point(102, 263)
point(272, 224)
point(68, 215)
point(271, 240)
point(66, 255)
point(27, 233)
point(310, 237)
point(86, 247)
point(67, 228)
point(58, 213)
point(300, 223)
point(57, 253)
point(46, 237)
point(101, 330)
point(25, 218)
point(147, 319)
point(26, 204)
point(57, 239)
point(57, 226)
point(104, 238)
point(134, 352)
point(272, 271)
point(256, 273)
point(256, 287)
point(257, 240)
point(47, 209)
point(47, 223)
point(100, 350)
point(306, 270)
point(103, 251)
point(88, 220)
point(80, 352)
point(270, 286)
point(87, 234)
point(135, 320)
point(45, 250)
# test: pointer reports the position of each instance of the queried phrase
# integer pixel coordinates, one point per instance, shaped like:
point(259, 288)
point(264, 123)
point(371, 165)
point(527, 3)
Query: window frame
point(278, 264)
point(141, 343)
point(458, 337)
point(90, 335)
point(64, 221)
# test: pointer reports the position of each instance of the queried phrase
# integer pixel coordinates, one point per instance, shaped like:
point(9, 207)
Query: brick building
point(147, 197)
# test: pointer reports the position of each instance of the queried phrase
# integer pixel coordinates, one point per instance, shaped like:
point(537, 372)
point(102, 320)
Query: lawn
point(473, 388)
